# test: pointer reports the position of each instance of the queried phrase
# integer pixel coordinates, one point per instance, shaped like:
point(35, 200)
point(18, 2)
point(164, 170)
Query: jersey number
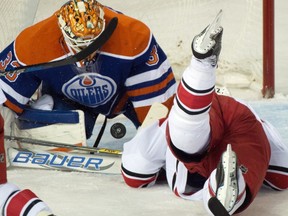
point(154, 58)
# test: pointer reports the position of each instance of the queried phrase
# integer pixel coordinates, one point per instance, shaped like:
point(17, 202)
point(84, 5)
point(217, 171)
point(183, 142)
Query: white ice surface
point(97, 194)
point(79, 194)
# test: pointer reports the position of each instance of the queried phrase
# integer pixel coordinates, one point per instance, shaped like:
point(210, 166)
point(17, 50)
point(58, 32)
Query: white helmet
point(81, 21)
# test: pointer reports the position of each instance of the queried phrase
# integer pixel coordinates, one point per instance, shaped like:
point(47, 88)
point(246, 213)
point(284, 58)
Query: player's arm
point(152, 81)
point(17, 88)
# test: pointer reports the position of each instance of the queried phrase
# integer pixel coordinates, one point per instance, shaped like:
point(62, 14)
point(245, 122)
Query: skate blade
point(227, 194)
point(204, 41)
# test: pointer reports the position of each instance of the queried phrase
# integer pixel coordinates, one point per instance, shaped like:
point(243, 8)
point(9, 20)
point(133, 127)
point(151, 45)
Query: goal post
point(268, 89)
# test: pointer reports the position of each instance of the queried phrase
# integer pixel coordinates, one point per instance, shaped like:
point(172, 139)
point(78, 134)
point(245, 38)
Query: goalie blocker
point(51, 126)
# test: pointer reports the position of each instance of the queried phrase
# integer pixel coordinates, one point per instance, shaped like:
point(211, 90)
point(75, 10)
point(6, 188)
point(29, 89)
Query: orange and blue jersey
point(130, 68)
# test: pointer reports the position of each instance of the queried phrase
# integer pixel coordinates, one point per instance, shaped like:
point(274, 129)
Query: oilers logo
point(90, 89)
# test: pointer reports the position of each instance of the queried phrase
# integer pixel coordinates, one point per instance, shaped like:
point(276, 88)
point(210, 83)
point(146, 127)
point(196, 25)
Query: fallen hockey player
point(212, 147)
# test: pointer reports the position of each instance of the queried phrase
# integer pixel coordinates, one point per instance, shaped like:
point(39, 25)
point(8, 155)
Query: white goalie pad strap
point(156, 112)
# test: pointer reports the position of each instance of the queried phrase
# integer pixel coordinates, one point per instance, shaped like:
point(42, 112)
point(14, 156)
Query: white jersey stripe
point(10, 91)
point(149, 75)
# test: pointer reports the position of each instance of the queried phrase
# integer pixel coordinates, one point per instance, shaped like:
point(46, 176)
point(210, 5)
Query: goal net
point(174, 24)
point(14, 16)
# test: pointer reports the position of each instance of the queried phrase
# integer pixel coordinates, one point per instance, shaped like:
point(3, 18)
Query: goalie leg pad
point(52, 126)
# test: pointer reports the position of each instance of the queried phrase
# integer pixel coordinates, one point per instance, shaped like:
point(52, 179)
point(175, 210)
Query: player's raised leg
point(189, 127)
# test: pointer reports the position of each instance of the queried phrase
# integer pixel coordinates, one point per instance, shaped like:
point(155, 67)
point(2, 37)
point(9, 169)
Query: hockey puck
point(118, 130)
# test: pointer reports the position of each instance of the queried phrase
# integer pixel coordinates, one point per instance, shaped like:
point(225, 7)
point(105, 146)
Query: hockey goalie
point(111, 81)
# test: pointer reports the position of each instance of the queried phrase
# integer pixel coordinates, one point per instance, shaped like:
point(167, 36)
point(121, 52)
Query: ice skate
point(227, 179)
point(208, 42)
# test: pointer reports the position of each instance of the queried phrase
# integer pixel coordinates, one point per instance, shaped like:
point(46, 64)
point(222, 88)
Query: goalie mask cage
point(247, 57)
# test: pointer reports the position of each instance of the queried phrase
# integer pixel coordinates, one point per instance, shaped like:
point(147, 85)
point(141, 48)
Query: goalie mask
point(81, 21)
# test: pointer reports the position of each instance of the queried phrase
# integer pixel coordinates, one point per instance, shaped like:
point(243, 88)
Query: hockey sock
point(189, 118)
point(14, 201)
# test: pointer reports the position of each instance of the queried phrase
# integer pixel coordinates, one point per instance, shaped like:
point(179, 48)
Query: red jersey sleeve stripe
point(18, 201)
point(193, 101)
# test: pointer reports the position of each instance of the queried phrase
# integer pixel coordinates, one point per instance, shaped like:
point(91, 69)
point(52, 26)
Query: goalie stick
point(95, 45)
point(64, 145)
point(63, 161)
point(104, 160)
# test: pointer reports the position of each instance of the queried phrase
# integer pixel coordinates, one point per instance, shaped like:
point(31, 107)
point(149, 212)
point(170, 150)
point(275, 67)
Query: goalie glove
point(45, 102)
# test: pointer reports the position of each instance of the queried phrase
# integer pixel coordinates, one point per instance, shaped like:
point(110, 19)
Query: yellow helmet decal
point(81, 21)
